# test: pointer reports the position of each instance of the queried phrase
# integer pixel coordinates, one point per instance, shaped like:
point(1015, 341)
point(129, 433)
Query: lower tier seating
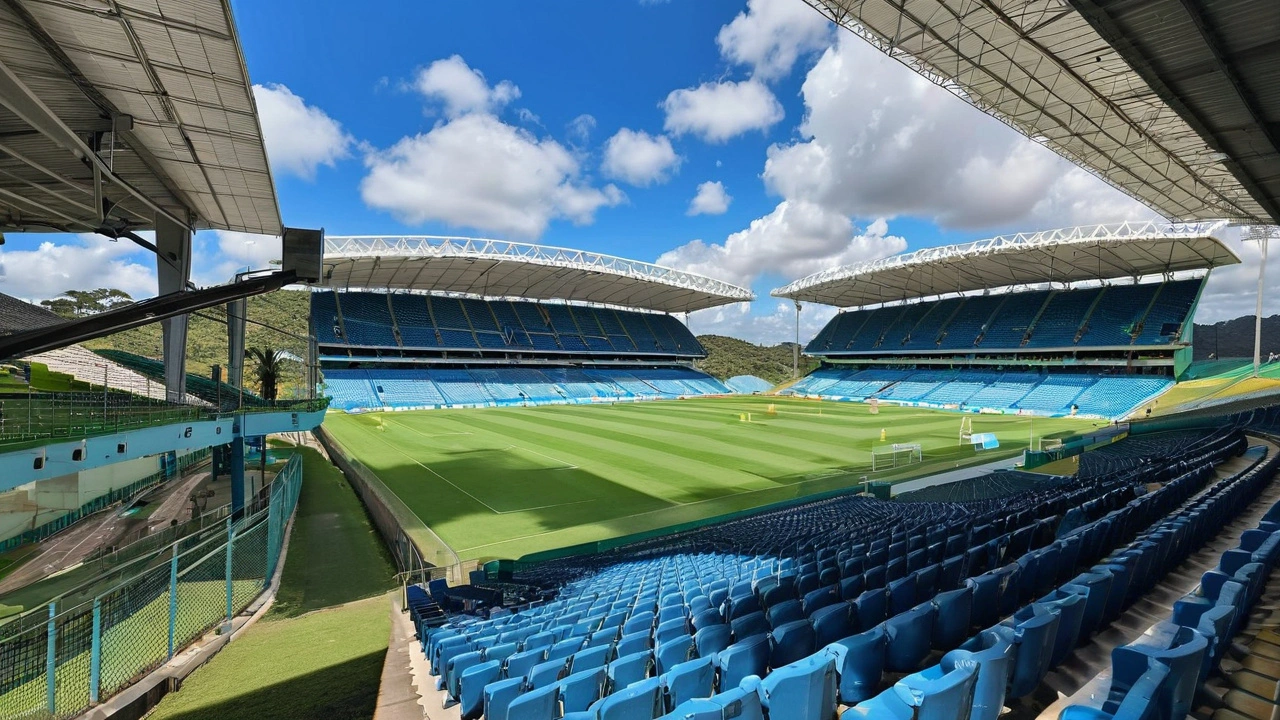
point(376, 389)
point(795, 614)
point(1106, 396)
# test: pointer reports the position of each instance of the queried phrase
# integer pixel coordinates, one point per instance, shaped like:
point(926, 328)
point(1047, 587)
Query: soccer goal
point(895, 455)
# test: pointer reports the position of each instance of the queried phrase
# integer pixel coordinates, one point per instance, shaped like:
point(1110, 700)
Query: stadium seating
point(367, 320)
point(747, 384)
point(378, 388)
point(749, 574)
point(1117, 315)
point(1106, 396)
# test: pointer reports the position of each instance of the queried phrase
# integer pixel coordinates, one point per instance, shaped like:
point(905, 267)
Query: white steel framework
point(1125, 250)
point(1041, 68)
point(499, 268)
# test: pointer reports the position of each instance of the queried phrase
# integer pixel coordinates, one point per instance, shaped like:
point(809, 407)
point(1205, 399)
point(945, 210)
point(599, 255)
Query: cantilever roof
point(496, 268)
point(1069, 255)
point(153, 95)
point(1042, 68)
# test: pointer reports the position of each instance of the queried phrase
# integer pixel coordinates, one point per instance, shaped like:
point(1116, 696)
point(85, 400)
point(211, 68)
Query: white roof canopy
point(1103, 252)
point(142, 106)
point(1041, 68)
point(496, 268)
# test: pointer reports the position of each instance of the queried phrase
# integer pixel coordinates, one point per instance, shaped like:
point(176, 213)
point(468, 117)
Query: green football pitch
point(506, 482)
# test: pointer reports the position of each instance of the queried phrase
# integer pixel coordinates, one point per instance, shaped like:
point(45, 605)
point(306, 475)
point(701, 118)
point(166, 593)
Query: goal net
point(896, 455)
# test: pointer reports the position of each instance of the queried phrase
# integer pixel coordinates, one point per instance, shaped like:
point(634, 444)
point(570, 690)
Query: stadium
point(503, 482)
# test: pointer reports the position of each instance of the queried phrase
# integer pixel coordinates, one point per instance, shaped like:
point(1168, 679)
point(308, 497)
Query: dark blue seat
point(902, 594)
point(993, 651)
point(820, 598)
point(1070, 607)
point(1035, 629)
point(832, 623)
point(1139, 703)
point(910, 638)
point(749, 625)
point(1095, 586)
point(859, 663)
point(784, 612)
point(711, 639)
point(749, 656)
point(951, 622)
point(1181, 648)
point(940, 692)
point(790, 642)
point(872, 607)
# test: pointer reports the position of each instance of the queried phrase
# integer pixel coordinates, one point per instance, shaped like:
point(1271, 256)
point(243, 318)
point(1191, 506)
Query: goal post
point(896, 455)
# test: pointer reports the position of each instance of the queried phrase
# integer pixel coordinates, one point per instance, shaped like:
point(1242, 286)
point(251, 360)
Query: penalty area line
point(567, 465)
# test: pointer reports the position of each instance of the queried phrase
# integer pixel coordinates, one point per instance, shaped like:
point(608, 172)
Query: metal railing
point(81, 655)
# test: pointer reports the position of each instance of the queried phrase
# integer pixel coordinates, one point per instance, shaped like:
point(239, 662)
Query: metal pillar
point(173, 268)
point(795, 351)
point(237, 312)
point(237, 469)
point(1263, 236)
point(313, 368)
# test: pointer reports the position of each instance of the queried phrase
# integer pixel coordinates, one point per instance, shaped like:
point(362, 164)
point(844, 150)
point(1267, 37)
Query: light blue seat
point(499, 695)
point(940, 692)
point(639, 701)
point(1138, 704)
point(737, 703)
point(749, 656)
point(689, 680)
point(546, 673)
point(820, 598)
point(673, 652)
point(802, 690)
point(540, 704)
point(670, 630)
point(629, 669)
point(711, 639)
point(471, 687)
point(707, 618)
point(859, 664)
point(641, 621)
point(579, 690)
point(951, 620)
point(910, 638)
point(538, 640)
point(1034, 634)
point(750, 624)
point(790, 642)
point(457, 665)
point(673, 612)
point(635, 642)
point(993, 652)
point(521, 663)
point(590, 658)
point(1070, 607)
point(565, 648)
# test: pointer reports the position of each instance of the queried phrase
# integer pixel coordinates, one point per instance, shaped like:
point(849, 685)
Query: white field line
point(567, 465)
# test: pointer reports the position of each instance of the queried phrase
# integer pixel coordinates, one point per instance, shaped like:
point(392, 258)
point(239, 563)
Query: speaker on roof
point(303, 253)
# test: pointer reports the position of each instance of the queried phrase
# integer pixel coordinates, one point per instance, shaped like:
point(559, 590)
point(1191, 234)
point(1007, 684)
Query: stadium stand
point(89, 367)
point(378, 388)
point(1112, 316)
point(840, 603)
point(17, 315)
point(347, 321)
point(205, 389)
point(747, 384)
point(1106, 396)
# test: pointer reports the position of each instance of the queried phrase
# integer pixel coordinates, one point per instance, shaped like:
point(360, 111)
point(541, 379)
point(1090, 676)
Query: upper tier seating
point(794, 614)
point(422, 322)
point(1107, 396)
point(378, 388)
point(1116, 315)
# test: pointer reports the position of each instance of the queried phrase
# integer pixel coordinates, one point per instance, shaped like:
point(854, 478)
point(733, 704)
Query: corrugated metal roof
point(497, 268)
point(176, 68)
point(1127, 250)
point(1040, 67)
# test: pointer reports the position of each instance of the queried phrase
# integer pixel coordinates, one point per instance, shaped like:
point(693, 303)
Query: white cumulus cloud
point(764, 322)
point(638, 158)
point(476, 171)
point(78, 262)
point(710, 200)
point(770, 35)
point(716, 112)
point(461, 88)
point(299, 137)
point(796, 239)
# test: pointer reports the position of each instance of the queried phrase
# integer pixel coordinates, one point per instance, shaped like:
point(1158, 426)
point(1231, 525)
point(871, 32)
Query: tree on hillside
point(82, 303)
point(268, 365)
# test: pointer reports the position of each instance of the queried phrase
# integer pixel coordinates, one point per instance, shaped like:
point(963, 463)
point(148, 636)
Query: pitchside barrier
point(419, 553)
point(63, 660)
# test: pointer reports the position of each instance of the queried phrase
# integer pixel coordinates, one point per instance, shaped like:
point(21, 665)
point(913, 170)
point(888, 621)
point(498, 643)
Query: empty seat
point(832, 623)
point(790, 642)
point(951, 621)
point(749, 656)
point(579, 690)
point(688, 680)
point(1033, 634)
point(993, 652)
point(673, 652)
point(941, 692)
point(859, 664)
point(711, 639)
point(540, 704)
point(802, 690)
point(1139, 703)
point(629, 669)
point(910, 638)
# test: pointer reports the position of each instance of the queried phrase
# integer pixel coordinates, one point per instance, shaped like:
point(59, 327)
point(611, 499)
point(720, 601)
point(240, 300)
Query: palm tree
point(268, 368)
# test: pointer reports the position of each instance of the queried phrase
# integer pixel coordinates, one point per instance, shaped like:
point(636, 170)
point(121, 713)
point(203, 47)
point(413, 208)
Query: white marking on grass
point(427, 435)
point(567, 465)
point(419, 463)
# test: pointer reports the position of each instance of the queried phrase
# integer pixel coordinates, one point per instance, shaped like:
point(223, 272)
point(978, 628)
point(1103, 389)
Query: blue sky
point(595, 125)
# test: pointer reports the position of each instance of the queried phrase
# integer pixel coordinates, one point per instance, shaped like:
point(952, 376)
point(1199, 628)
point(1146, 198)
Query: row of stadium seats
point(376, 389)
point(747, 384)
point(1105, 396)
point(688, 633)
point(1152, 314)
point(428, 322)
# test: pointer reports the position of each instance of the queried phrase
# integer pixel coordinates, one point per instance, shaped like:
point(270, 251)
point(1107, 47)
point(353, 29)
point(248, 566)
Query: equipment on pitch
point(896, 455)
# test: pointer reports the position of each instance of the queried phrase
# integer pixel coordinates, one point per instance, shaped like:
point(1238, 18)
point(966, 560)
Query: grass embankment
point(505, 482)
point(319, 652)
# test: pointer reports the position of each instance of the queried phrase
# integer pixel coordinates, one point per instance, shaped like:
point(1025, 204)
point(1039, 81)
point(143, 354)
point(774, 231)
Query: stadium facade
point(431, 322)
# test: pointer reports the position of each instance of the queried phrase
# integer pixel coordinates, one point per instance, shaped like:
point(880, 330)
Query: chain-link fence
point(81, 655)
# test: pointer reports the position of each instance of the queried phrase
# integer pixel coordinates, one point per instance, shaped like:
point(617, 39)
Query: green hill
point(285, 310)
point(727, 356)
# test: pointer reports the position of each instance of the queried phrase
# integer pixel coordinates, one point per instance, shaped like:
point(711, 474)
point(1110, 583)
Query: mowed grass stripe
point(640, 465)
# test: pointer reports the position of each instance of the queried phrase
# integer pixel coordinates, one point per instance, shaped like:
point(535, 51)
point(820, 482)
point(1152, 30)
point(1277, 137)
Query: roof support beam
point(23, 102)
